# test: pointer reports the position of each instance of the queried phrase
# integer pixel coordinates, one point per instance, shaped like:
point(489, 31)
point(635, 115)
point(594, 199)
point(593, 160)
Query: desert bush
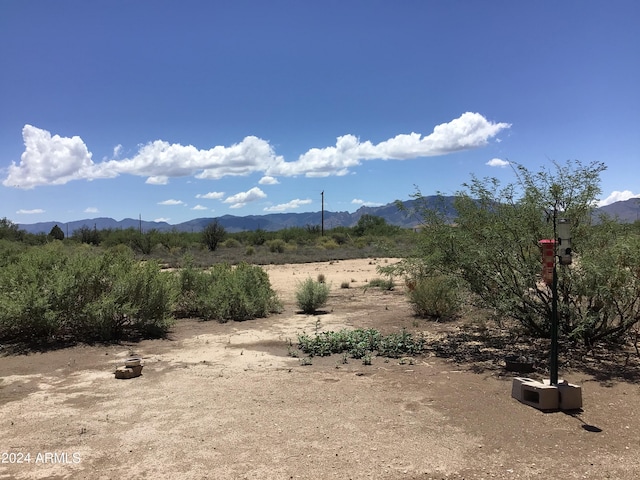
point(321, 278)
point(231, 243)
point(250, 250)
point(276, 245)
point(327, 243)
point(311, 295)
point(213, 234)
point(435, 297)
point(226, 293)
point(341, 238)
point(345, 285)
point(381, 283)
point(49, 294)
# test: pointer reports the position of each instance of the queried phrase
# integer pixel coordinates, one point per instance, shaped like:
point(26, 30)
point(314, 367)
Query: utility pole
point(322, 218)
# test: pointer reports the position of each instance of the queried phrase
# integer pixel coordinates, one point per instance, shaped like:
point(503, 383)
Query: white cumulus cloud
point(211, 195)
point(91, 210)
point(157, 180)
point(199, 207)
point(617, 196)
point(162, 219)
point(267, 180)
point(171, 201)
point(57, 160)
point(357, 201)
point(30, 212)
point(293, 204)
point(497, 162)
point(240, 199)
point(49, 160)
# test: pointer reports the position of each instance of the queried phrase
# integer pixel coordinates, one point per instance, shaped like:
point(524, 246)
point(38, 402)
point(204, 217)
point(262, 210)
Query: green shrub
point(231, 243)
point(276, 246)
point(435, 297)
point(49, 294)
point(382, 284)
point(327, 243)
point(311, 295)
point(250, 250)
point(226, 293)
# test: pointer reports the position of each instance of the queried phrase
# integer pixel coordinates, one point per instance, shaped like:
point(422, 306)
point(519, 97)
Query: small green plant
point(292, 352)
point(306, 361)
point(250, 250)
point(382, 284)
point(311, 295)
point(435, 297)
point(400, 344)
point(366, 359)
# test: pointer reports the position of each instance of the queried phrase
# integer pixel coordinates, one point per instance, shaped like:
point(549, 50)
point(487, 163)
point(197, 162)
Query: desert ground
point(227, 401)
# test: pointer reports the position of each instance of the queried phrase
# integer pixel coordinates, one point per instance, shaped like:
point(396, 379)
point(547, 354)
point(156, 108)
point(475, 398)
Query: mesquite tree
point(492, 248)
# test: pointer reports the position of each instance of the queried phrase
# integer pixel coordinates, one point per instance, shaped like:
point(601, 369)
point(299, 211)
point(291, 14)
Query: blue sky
point(178, 110)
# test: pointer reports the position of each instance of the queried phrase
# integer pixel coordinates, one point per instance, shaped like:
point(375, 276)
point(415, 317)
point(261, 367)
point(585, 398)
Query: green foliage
point(225, 292)
point(56, 233)
point(360, 343)
point(381, 283)
point(400, 344)
point(276, 246)
point(145, 242)
point(311, 295)
point(493, 250)
point(47, 293)
point(250, 250)
point(10, 230)
point(213, 234)
point(87, 235)
point(258, 237)
point(373, 225)
point(328, 243)
point(232, 243)
point(435, 297)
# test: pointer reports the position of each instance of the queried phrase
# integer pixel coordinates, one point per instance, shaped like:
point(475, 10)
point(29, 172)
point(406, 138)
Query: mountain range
point(626, 211)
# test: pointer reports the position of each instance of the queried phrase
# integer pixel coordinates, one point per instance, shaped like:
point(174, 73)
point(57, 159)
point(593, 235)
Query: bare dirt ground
point(226, 401)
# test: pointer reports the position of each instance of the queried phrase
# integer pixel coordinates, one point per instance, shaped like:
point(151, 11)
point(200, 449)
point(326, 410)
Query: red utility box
point(548, 259)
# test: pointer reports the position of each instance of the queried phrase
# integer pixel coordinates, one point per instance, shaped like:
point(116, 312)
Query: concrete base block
point(544, 396)
point(540, 396)
point(516, 387)
point(570, 395)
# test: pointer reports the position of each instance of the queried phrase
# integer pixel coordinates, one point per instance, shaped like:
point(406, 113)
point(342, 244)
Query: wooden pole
point(322, 221)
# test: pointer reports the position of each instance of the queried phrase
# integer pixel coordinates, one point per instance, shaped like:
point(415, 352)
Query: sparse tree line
point(368, 229)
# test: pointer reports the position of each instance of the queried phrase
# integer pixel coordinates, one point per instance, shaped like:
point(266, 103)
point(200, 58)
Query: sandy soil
point(226, 401)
